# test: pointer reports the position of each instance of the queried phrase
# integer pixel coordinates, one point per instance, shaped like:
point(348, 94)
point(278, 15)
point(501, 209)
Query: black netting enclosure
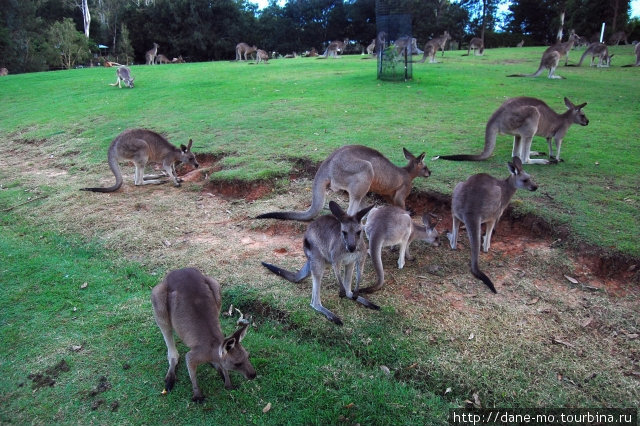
point(394, 41)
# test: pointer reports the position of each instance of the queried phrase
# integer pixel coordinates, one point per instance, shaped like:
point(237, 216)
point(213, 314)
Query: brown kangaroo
point(262, 56)
point(143, 146)
point(476, 43)
point(597, 50)
point(636, 51)
point(334, 239)
point(150, 56)
point(123, 75)
point(161, 59)
point(391, 225)
point(189, 302)
point(525, 118)
point(358, 169)
point(482, 199)
point(243, 49)
point(551, 58)
point(432, 47)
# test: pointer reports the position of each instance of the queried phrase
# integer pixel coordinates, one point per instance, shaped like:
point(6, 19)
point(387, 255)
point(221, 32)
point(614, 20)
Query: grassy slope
point(291, 109)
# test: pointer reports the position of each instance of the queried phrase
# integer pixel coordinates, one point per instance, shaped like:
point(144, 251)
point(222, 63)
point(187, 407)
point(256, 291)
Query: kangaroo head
point(522, 179)
point(350, 226)
point(233, 356)
point(187, 156)
point(416, 166)
point(432, 237)
point(129, 82)
point(576, 111)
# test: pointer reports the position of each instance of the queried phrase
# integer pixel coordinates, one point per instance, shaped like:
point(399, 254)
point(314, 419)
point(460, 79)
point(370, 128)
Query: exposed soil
point(49, 376)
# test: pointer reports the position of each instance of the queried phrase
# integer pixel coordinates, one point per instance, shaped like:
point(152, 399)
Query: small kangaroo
point(4, 72)
point(520, 44)
point(525, 118)
point(600, 51)
point(391, 225)
point(476, 43)
point(551, 58)
point(142, 146)
point(123, 75)
point(432, 47)
point(358, 169)
point(189, 302)
point(482, 199)
point(161, 59)
point(334, 239)
point(243, 49)
point(262, 56)
point(150, 56)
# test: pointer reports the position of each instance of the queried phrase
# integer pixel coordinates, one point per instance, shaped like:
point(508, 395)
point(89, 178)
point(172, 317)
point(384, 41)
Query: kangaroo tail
point(490, 134)
point(584, 55)
point(320, 184)
point(288, 275)
point(535, 74)
point(376, 258)
point(115, 168)
point(474, 230)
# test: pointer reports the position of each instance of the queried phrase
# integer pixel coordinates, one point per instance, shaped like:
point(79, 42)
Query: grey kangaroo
point(636, 51)
point(551, 58)
point(123, 75)
point(391, 225)
point(358, 169)
point(150, 56)
point(432, 46)
point(475, 43)
point(189, 302)
point(482, 199)
point(525, 118)
point(142, 146)
point(334, 239)
point(597, 50)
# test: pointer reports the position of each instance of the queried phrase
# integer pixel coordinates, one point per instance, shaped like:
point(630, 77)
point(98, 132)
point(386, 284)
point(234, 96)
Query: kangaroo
point(150, 56)
point(391, 225)
point(551, 58)
point(334, 48)
point(482, 199)
point(4, 72)
point(262, 56)
point(243, 49)
point(143, 146)
point(408, 43)
point(525, 118)
point(189, 302)
point(617, 37)
point(520, 44)
point(432, 47)
point(335, 239)
point(476, 43)
point(123, 74)
point(161, 59)
point(178, 60)
point(358, 169)
point(636, 50)
point(600, 51)
point(371, 47)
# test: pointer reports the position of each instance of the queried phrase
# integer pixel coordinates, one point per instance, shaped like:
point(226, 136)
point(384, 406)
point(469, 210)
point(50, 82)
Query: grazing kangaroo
point(391, 225)
point(161, 59)
point(335, 239)
point(600, 51)
point(551, 58)
point(243, 49)
point(358, 169)
point(432, 47)
point(482, 199)
point(123, 74)
point(142, 146)
point(150, 56)
point(262, 56)
point(525, 118)
point(476, 43)
point(617, 37)
point(189, 302)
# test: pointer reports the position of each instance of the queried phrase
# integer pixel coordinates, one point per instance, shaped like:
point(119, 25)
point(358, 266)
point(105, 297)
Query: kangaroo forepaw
point(169, 382)
point(198, 398)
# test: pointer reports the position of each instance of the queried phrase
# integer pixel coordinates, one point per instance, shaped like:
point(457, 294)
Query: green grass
point(260, 119)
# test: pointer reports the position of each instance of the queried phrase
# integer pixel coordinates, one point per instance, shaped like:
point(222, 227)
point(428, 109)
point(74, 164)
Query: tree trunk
point(86, 16)
point(484, 16)
point(615, 16)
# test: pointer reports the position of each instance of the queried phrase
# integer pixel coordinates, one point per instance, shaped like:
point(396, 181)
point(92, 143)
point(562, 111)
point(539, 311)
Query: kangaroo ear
point(515, 166)
point(407, 154)
point(568, 103)
point(189, 144)
point(226, 346)
point(183, 148)
point(362, 213)
point(420, 157)
point(429, 219)
point(336, 210)
point(241, 332)
point(581, 106)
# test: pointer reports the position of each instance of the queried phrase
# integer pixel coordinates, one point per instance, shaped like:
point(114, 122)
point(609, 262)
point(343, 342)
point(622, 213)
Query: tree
point(69, 45)
point(83, 5)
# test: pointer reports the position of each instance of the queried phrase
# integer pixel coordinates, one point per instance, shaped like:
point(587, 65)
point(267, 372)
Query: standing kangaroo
point(432, 47)
point(243, 49)
point(358, 169)
point(262, 56)
point(334, 239)
point(525, 118)
point(391, 225)
point(142, 146)
point(123, 74)
point(150, 56)
point(334, 48)
point(551, 58)
point(598, 50)
point(476, 43)
point(636, 51)
point(189, 302)
point(482, 199)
